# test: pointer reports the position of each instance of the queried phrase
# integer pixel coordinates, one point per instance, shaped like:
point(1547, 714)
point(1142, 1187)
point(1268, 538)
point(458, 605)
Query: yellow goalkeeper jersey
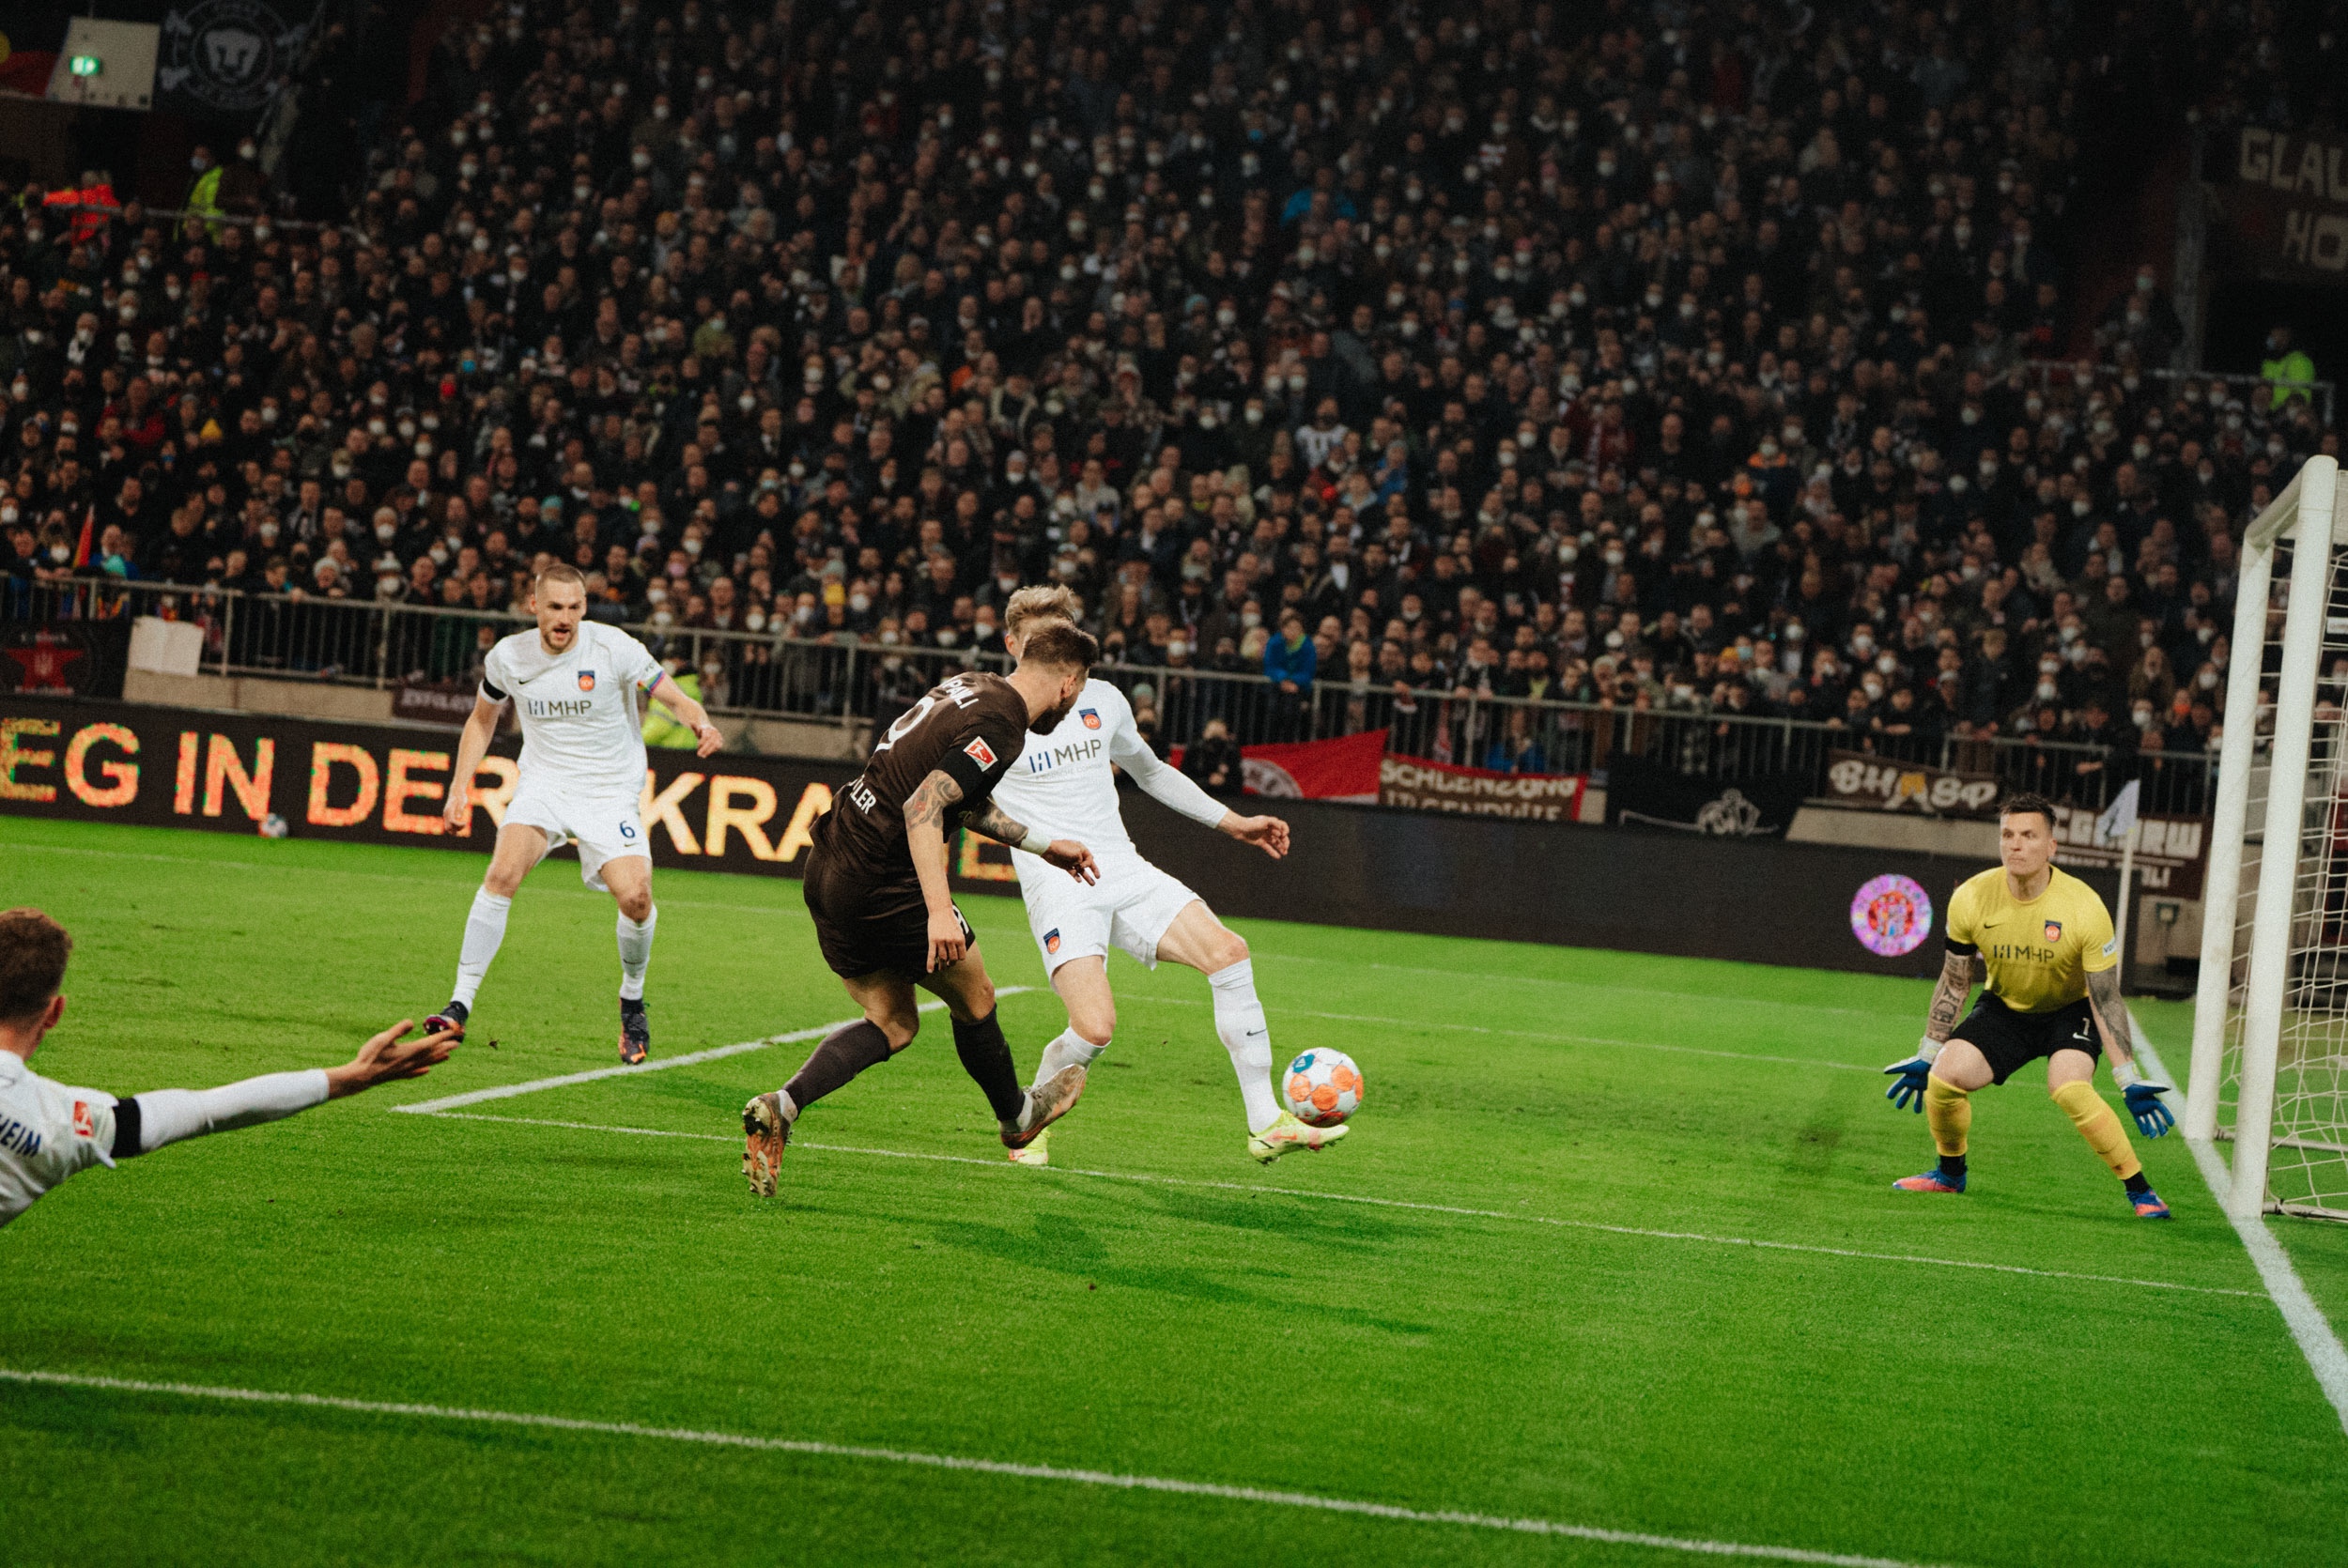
point(2040, 953)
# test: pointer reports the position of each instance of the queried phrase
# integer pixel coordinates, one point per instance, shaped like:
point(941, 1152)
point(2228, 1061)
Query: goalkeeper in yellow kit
point(2045, 941)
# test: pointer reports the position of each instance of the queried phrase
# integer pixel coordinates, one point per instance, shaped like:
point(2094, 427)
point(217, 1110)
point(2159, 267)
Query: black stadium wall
point(1757, 899)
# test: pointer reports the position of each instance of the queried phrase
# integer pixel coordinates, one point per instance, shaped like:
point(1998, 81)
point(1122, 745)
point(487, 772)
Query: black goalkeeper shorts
point(2008, 1038)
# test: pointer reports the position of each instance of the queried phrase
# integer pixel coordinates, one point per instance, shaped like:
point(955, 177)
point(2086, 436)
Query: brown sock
point(838, 1057)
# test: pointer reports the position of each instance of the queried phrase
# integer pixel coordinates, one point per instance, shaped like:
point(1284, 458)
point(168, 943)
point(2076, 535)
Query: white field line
point(1110, 1479)
point(1518, 1034)
point(2313, 1331)
point(1384, 1203)
point(507, 1091)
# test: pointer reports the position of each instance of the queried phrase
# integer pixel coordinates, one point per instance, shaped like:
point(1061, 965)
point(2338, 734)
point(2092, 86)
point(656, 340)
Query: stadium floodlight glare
point(2270, 1022)
point(85, 64)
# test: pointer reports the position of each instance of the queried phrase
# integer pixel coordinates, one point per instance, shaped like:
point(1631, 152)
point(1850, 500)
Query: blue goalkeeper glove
point(2152, 1118)
point(1908, 1092)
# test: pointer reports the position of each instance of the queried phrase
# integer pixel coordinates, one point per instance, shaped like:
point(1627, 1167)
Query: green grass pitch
point(1611, 1247)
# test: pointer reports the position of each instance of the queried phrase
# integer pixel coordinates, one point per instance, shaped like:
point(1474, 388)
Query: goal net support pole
point(2305, 513)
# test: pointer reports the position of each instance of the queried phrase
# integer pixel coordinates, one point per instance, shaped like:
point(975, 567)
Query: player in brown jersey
point(885, 915)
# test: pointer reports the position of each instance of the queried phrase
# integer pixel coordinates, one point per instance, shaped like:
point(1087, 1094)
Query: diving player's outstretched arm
point(147, 1121)
point(1170, 787)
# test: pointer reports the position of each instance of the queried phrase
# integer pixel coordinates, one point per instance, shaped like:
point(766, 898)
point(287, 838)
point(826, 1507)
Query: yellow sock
point(1949, 1111)
point(2099, 1126)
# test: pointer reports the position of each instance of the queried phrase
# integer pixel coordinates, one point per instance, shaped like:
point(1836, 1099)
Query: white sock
point(635, 954)
point(1069, 1050)
point(1239, 1020)
point(485, 928)
point(789, 1106)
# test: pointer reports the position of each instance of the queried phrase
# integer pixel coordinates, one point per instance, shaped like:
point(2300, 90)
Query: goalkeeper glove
point(2152, 1118)
point(1908, 1092)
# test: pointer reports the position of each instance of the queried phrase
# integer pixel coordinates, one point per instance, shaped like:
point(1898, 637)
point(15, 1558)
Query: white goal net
point(2270, 1035)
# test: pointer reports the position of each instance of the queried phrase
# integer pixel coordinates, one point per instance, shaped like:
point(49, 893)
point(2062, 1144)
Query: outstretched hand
point(388, 1058)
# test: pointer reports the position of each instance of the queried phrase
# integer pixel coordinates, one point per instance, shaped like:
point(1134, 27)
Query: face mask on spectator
point(2207, 679)
point(2045, 691)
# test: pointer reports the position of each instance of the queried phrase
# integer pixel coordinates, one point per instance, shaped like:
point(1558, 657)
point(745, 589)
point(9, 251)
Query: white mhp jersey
point(1062, 785)
point(578, 707)
point(47, 1131)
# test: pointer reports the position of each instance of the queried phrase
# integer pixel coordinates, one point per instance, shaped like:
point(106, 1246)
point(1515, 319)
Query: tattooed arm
point(925, 838)
point(2111, 1016)
point(1066, 853)
point(2153, 1117)
point(1948, 996)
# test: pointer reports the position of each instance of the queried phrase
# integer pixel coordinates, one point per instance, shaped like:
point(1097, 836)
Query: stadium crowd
point(1671, 356)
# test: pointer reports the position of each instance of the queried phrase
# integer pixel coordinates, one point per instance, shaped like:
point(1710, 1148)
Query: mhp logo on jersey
point(1051, 940)
point(1091, 718)
point(980, 752)
point(84, 1126)
point(2054, 930)
point(586, 679)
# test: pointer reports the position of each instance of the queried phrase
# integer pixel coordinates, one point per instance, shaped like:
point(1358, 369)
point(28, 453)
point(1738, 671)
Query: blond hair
point(561, 571)
point(1043, 602)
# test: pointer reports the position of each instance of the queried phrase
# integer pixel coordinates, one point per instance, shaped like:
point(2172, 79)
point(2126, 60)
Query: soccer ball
point(1323, 1087)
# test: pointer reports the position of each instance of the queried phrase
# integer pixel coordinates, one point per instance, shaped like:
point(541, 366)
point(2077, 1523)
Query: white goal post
point(2270, 1022)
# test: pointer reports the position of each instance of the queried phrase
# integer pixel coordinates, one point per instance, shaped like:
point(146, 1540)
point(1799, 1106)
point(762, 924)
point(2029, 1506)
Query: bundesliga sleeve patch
point(980, 752)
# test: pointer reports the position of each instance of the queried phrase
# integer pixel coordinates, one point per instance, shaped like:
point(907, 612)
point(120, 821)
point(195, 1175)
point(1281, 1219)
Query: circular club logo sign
point(1892, 915)
point(227, 53)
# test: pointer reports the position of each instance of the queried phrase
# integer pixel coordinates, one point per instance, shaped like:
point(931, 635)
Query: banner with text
point(1423, 786)
point(251, 773)
point(2172, 852)
point(2285, 198)
point(1857, 779)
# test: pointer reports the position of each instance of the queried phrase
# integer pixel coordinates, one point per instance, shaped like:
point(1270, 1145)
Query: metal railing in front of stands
point(853, 682)
point(2053, 374)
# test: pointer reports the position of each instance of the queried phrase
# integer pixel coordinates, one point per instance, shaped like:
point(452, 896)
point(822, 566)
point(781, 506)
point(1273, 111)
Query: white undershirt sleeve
point(1165, 783)
point(167, 1115)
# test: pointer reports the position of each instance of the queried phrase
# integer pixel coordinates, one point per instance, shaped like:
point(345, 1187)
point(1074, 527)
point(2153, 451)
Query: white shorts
point(1129, 907)
point(605, 827)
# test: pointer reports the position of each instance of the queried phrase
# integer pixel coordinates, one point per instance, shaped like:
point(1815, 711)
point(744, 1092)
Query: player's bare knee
point(1229, 948)
point(976, 1002)
point(1094, 1028)
point(636, 905)
point(898, 1026)
point(499, 882)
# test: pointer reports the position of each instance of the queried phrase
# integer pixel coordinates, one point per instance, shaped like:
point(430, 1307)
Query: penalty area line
point(507, 1091)
point(2309, 1329)
point(1145, 1178)
point(1109, 1479)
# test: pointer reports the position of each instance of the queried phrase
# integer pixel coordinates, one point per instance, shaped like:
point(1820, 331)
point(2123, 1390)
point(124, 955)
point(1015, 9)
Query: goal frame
point(2311, 498)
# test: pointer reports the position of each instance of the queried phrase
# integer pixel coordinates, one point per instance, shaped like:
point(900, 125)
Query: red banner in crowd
point(1343, 769)
point(1423, 786)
